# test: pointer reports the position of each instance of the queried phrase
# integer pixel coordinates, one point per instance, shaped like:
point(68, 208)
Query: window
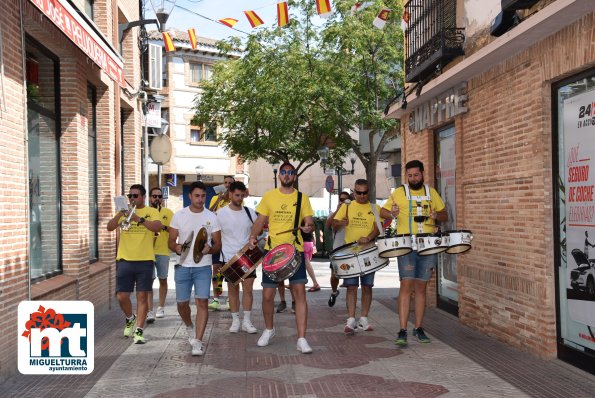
point(200, 72)
point(201, 135)
point(92, 173)
point(89, 9)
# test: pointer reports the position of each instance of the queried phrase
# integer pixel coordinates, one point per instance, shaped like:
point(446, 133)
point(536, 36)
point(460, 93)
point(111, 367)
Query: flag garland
point(253, 18)
point(168, 42)
point(405, 20)
point(230, 22)
point(323, 8)
point(381, 18)
point(192, 37)
point(282, 14)
point(360, 6)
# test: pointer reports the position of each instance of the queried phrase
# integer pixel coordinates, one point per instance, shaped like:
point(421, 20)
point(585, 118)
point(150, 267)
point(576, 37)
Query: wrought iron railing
point(432, 39)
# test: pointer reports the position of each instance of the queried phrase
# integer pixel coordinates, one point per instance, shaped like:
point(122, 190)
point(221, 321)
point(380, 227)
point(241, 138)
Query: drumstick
point(289, 230)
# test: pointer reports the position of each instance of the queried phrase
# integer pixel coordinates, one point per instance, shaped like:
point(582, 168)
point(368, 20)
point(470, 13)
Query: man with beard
point(280, 208)
point(417, 208)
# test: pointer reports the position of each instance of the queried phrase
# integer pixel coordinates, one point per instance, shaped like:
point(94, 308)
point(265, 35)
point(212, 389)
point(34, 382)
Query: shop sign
point(439, 109)
point(67, 19)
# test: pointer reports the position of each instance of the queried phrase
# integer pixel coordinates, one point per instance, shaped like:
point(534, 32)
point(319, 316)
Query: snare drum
point(354, 259)
point(281, 262)
point(460, 241)
point(428, 244)
point(395, 246)
point(242, 264)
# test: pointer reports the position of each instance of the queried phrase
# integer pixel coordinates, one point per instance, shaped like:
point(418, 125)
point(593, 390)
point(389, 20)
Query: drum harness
point(295, 221)
point(419, 208)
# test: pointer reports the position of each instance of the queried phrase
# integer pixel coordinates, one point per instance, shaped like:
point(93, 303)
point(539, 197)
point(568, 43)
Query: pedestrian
point(338, 240)
point(236, 222)
point(162, 254)
point(417, 208)
point(135, 258)
point(360, 225)
point(284, 208)
point(187, 222)
point(307, 232)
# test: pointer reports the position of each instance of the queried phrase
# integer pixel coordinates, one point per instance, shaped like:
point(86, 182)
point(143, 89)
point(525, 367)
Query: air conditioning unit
point(155, 67)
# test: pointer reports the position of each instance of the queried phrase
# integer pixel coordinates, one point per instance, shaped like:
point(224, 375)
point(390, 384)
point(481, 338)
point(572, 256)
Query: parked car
point(583, 276)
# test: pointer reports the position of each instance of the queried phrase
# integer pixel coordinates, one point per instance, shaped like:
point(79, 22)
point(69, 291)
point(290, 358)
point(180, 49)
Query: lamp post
point(323, 152)
point(275, 169)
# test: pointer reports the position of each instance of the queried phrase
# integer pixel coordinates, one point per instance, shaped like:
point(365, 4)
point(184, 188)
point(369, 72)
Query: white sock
point(363, 319)
point(247, 316)
point(235, 315)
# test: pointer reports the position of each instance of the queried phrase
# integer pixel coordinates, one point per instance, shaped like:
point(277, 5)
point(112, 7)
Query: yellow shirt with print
point(136, 244)
point(361, 220)
point(280, 208)
point(160, 246)
point(408, 209)
point(222, 203)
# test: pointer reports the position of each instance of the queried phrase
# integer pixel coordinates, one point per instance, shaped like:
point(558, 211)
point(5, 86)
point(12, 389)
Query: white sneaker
point(263, 341)
point(235, 326)
point(303, 346)
point(191, 333)
point(350, 326)
point(197, 348)
point(150, 317)
point(365, 325)
point(248, 327)
point(160, 312)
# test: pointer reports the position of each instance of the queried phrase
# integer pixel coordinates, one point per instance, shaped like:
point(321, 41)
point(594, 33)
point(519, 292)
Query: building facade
point(499, 106)
point(70, 130)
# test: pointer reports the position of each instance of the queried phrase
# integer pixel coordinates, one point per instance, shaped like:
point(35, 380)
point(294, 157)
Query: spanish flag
point(192, 37)
point(253, 18)
point(323, 7)
point(282, 14)
point(169, 43)
point(381, 18)
point(229, 22)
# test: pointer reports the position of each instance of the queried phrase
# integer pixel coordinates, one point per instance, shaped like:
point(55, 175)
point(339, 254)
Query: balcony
point(432, 39)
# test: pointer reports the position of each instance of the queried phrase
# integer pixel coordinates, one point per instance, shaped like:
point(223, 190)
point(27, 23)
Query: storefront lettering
point(439, 109)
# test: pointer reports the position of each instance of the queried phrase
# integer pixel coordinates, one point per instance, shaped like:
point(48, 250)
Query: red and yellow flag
point(229, 22)
point(253, 18)
point(323, 7)
point(282, 14)
point(192, 37)
point(169, 43)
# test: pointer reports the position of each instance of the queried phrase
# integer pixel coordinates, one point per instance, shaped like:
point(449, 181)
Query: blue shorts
point(129, 273)
point(187, 277)
point(299, 278)
point(161, 266)
point(216, 258)
point(367, 280)
point(414, 266)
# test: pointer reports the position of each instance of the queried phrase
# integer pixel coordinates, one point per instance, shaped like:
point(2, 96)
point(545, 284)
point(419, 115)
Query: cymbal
point(199, 244)
point(185, 246)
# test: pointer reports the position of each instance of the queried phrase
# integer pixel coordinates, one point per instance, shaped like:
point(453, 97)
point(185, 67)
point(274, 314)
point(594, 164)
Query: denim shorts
point(129, 273)
point(161, 266)
point(299, 278)
point(367, 280)
point(414, 266)
point(187, 277)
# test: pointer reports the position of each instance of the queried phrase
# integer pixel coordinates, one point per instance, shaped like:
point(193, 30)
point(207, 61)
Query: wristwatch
point(141, 220)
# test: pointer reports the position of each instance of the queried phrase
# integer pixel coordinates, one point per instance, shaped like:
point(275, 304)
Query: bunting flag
point(192, 37)
point(323, 8)
point(282, 14)
point(360, 6)
point(405, 20)
point(229, 22)
point(253, 18)
point(381, 18)
point(169, 43)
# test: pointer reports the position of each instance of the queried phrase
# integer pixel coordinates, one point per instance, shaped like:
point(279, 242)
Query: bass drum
point(354, 259)
point(281, 262)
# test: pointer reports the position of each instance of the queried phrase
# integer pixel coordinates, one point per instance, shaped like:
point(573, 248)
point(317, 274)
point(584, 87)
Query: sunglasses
point(361, 192)
point(157, 196)
point(133, 195)
point(288, 172)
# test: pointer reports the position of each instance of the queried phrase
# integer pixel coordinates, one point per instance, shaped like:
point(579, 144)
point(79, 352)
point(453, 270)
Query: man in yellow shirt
point(359, 220)
point(162, 254)
point(417, 208)
point(135, 259)
point(278, 207)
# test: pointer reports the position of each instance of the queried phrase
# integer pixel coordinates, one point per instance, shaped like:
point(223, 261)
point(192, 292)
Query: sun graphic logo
point(56, 337)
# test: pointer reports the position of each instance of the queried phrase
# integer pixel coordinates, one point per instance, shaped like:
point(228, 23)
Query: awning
point(78, 30)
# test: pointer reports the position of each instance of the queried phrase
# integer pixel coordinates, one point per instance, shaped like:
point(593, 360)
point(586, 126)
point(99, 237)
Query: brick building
point(499, 106)
point(70, 133)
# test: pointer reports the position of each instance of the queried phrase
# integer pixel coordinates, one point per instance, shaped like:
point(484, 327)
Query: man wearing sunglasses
point(162, 254)
point(279, 207)
point(135, 260)
point(338, 240)
point(361, 227)
point(417, 208)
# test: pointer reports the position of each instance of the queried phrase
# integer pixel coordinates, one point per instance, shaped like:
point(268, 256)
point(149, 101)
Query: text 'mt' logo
point(56, 337)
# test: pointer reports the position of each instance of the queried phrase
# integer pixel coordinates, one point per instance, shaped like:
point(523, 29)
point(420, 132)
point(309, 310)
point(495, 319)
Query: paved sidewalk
point(458, 363)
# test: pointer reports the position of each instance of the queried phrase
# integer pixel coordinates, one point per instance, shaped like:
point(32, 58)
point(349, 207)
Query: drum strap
point(296, 220)
point(378, 224)
point(249, 216)
point(219, 198)
point(418, 204)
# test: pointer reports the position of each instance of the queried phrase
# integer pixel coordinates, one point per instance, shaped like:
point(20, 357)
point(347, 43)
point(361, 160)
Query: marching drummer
point(236, 222)
point(417, 207)
point(284, 209)
point(360, 220)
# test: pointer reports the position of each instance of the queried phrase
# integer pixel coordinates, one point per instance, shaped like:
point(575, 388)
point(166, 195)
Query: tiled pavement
point(458, 363)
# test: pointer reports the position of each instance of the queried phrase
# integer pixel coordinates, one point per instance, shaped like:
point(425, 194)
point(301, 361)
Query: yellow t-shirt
point(160, 245)
point(222, 203)
point(408, 209)
point(361, 220)
point(280, 208)
point(136, 244)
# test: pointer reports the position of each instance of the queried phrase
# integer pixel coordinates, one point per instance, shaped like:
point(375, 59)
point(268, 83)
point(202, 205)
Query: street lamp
point(198, 172)
point(163, 9)
point(275, 169)
point(323, 153)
